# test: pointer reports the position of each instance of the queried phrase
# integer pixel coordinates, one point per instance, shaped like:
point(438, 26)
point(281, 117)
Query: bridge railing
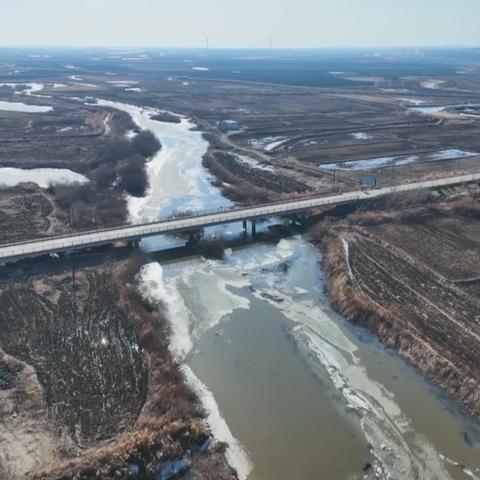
point(145, 221)
point(197, 219)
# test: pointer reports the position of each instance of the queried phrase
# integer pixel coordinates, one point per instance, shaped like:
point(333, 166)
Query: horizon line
point(267, 48)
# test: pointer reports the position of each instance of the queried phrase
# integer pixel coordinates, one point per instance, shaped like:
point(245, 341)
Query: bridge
point(133, 232)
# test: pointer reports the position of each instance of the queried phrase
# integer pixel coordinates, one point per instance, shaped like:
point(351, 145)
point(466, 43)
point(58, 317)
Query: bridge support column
point(254, 227)
point(244, 227)
point(194, 236)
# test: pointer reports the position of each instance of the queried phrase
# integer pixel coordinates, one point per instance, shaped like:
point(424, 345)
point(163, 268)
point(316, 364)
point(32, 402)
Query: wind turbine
point(207, 41)
point(270, 42)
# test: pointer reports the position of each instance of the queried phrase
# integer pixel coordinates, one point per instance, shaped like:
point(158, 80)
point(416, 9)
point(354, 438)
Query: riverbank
point(248, 181)
point(92, 424)
point(410, 277)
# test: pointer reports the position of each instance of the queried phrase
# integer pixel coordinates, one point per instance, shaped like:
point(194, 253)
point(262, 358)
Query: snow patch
point(43, 177)
point(22, 107)
point(361, 136)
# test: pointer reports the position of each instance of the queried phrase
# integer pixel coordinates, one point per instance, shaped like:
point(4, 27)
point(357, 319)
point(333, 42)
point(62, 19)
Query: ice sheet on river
point(177, 180)
point(155, 289)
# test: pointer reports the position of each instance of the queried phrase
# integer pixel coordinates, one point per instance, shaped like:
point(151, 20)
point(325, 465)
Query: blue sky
point(240, 23)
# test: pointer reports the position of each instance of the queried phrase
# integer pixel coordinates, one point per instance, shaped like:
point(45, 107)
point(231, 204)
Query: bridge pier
point(245, 227)
point(194, 236)
point(298, 218)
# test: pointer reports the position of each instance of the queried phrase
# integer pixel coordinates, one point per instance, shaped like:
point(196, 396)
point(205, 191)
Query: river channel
point(295, 391)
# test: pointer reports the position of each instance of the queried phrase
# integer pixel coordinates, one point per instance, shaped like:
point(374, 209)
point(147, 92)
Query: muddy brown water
point(306, 394)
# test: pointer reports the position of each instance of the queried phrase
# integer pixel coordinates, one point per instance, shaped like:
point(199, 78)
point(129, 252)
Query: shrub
point(133, 177)
point(146, 144)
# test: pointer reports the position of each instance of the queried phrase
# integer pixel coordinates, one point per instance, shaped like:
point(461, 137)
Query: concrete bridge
point(135, 232)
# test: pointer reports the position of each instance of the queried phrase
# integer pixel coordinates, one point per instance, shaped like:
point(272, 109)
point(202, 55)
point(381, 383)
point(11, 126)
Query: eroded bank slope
point(413, 278)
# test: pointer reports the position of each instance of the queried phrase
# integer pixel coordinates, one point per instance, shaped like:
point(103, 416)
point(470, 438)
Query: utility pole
point(74, 291)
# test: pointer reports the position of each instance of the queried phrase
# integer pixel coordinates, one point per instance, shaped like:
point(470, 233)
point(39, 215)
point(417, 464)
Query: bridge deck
point(132, 232)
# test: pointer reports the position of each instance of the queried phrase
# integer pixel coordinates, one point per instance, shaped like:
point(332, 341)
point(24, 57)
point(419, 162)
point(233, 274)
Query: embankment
point(395, 275)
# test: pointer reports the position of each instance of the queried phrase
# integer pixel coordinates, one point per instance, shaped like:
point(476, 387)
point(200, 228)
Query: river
point(295, 391)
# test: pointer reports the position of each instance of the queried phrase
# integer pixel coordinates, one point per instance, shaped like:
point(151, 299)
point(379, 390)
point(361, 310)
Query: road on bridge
point(136, 231)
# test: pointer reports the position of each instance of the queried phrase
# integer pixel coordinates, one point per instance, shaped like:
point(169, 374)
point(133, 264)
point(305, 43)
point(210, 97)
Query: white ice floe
point(186, 325)
point(235, 453)
point(201, 69)
point(155, 288)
